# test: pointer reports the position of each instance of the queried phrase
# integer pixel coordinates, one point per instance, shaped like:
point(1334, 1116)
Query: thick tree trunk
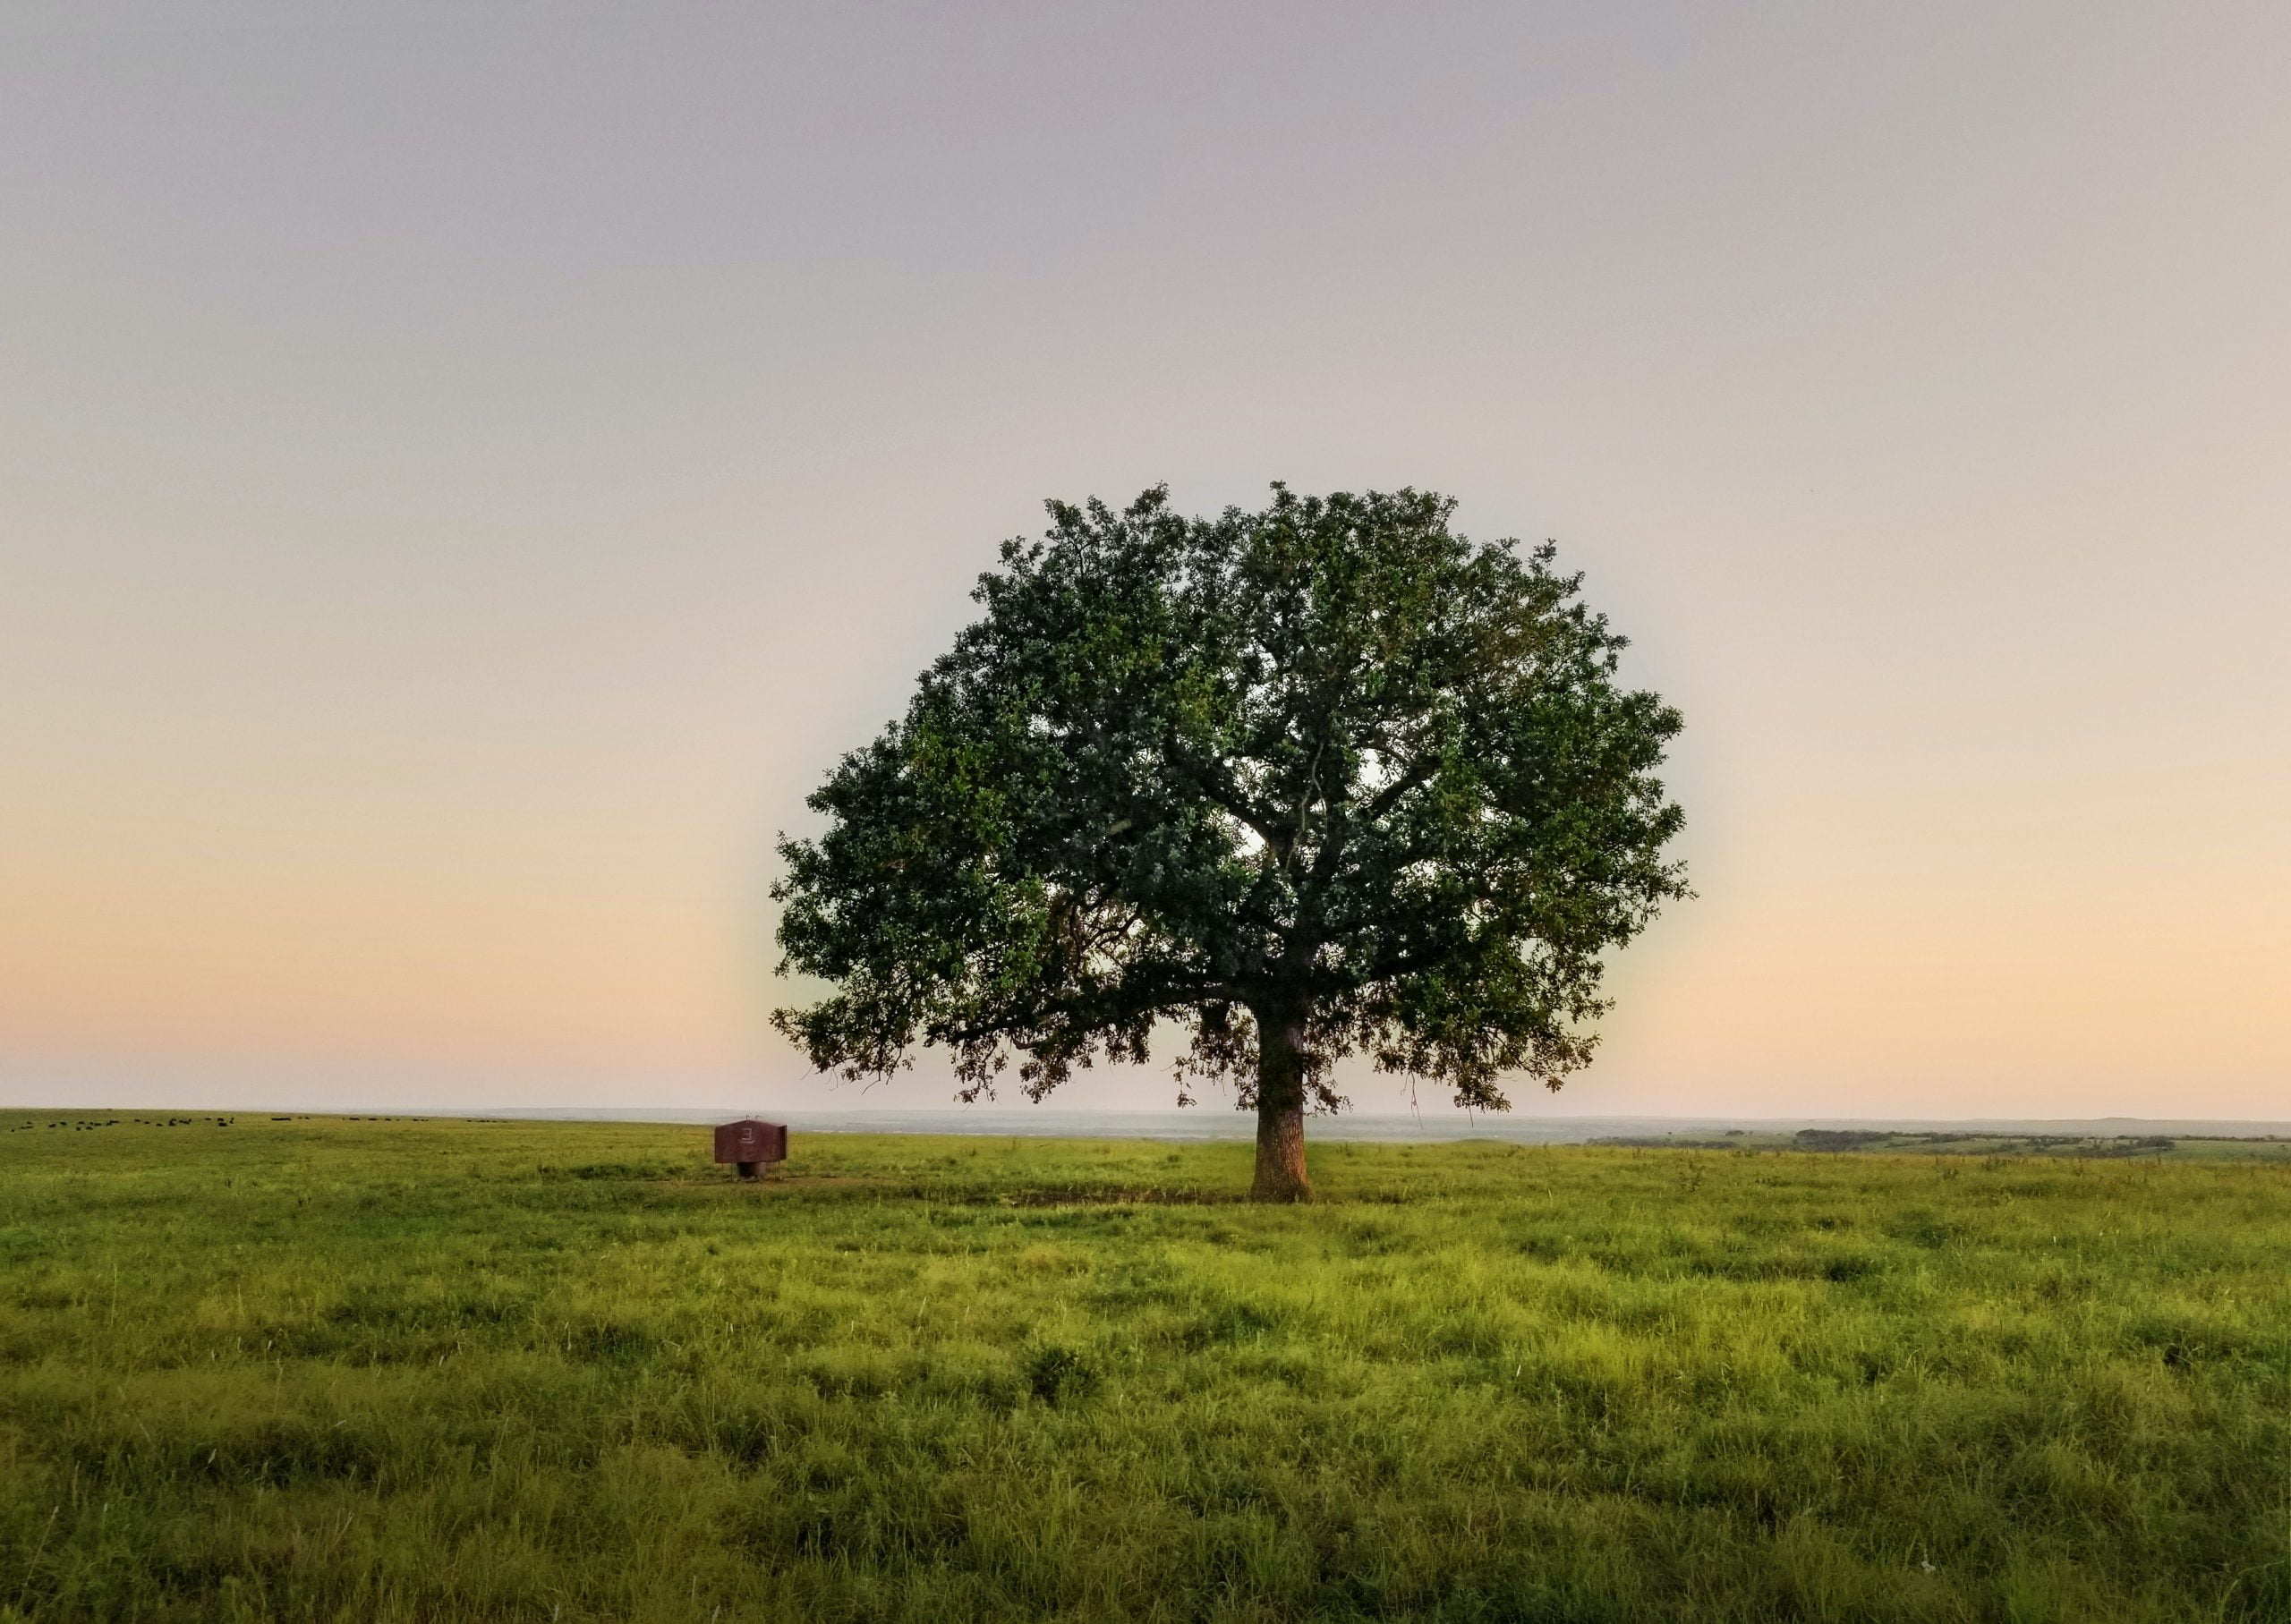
point(1280, 1111)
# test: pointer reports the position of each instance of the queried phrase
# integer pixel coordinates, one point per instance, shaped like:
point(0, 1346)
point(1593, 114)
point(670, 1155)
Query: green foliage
point(1321, 780)
point(325, 1369)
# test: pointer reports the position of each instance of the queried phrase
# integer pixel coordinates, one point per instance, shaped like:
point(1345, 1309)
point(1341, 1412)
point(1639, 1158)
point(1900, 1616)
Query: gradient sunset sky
point(466, 471)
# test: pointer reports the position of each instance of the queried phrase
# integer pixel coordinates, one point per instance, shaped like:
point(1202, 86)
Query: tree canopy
point(1323, 779)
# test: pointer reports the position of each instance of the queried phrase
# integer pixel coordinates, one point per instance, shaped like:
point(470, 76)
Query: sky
point(467, 471)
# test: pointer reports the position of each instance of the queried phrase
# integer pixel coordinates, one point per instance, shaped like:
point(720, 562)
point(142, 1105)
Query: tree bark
point(1280, 1111)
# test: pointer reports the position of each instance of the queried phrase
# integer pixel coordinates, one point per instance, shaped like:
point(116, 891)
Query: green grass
point(316, 1370)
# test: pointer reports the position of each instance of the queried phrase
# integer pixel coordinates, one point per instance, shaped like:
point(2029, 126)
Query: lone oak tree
point(1323, 779)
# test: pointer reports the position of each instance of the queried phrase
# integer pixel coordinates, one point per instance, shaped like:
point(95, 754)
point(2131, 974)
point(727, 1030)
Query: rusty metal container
point(752, 1145)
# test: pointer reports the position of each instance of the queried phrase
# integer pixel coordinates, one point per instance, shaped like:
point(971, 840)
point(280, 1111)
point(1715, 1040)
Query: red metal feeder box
point(752, 1145)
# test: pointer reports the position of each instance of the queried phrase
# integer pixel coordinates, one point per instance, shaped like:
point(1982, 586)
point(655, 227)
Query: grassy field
point(400, 1370)
point(2111, 1147)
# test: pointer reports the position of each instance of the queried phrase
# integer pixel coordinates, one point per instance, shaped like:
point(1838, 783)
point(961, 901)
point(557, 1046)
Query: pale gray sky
point(468, 470)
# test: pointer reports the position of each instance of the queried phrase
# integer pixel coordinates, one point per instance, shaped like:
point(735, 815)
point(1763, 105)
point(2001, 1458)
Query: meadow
point(398, 1370)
